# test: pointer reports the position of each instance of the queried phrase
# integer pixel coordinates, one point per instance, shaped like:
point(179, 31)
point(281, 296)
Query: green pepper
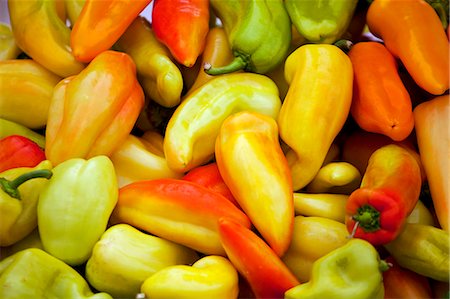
point(33, 273)
point(75, 206)
point(321, 21)
point(259, 33)
point(423, 249)
point(353, 270)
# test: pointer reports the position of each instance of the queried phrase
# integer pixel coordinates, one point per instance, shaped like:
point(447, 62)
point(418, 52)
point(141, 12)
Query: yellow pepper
point(25, 92)
point(8, 47)
point(313, 237)
point(125, 257)
point(8, 128)
point(421, 215)
point(210, 277)
point(32, 240)
point(320, 81)
point(195, 124)
point(73, 9)
point(327, 205)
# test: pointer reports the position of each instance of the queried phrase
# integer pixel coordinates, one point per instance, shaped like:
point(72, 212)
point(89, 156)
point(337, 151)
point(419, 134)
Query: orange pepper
point(413, 32)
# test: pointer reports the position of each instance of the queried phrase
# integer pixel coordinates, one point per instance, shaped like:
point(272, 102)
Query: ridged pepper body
point(19, 151)
point(8, 47)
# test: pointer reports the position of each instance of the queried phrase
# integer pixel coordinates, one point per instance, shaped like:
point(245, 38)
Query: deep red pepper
point(19, 151)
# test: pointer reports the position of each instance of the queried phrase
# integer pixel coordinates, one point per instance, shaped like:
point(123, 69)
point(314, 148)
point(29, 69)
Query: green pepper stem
point(368, 218)
point(238, 63)
point(384, 266)
point(10, 187)
point(344, 44)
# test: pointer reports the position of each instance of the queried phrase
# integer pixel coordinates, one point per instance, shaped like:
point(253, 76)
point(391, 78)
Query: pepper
point(389, 191)
point(8, 128)
point(134, 160)
point(193, 127)
point(33, 273)
point(321, 21)
point(423, 249)
point(73, 9)
point(182, 25)
point(259, 33)
point(177, 210)
point(19, 151)
point(433, 137)
point(421, 215)
point(75, 206)
point(412, 31)
point(25, 92)
point(8, 47)
point(335, 177)
point(313, 237)
point(42, 35)
point(154, 141)
point(326, 205)
point(32, 240)
point(353, 270)
point(100, 24)
point(94, 111)
point(319, 99)
point(20, 189)
point(253, 166)
point(159, 76)
point(210, 277)
point(125, 257)
point(256, 262)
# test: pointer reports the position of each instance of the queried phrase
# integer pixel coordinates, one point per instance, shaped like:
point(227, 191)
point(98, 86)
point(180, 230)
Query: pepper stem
point(10, 187)
point(238, 63)
point(368, 218)
point(344, 44)
point(384, 266)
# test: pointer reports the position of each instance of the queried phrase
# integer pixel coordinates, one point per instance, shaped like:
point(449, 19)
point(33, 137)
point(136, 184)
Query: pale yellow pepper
point(335, 177)
point(325, 205)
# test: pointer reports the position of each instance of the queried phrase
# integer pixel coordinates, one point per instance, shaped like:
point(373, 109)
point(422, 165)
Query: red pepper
point(265, 272)
point(182, 25)
point(18, 151)
point(209, 176)
point(389, 191)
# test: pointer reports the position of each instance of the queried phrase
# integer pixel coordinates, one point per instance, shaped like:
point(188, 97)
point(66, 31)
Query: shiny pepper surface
point(19, 151)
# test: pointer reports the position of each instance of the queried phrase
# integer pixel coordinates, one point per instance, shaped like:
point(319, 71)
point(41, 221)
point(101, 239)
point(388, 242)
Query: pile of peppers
point(224, 149)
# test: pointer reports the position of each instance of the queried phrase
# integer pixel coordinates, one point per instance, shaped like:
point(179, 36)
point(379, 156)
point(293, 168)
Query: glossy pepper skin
point(433, 139)
point(125, 257)
point(259, 33)
point(8, 48)
point(8, 128)
point(182, 25)
point(412, 31)
point(349, 271)
point(34, 273)
point(177, 210)
point(338, 177)
point(100, 24)
point(20, 189)
point(19, 151)
point(192, 129)
point(94, 111)
point(75, 206)
point(321, 21)
point(320, 81)
point(211, 276)
point(253, 166)
point(25, 92)
point(389, 191)
point(326, 205)
point(430, 250)
point(261, 267)
point(41, 34)
point(159, 76)
point(381, 103)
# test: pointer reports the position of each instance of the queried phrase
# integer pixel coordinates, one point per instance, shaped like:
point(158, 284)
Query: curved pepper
point(326, 205)
point(389, 191)
point(177, 210)
point(412, 31)
point(100, 24)
point(19, 151)
point(32, 240)
point(353, 270)
point(33, 273)
point(195, 124)
point(160, 77)
point(253, 166)
point(261, 267)
point(8, 128)
point(182, 25)
point(73, 9)
point(421, 215)
point(335, 177)
point(209, 277)
point(433, 139)
point(8, 47)
point(75, 206)
point(94, 111)
point(313, 237)
point(42, 35)
point(319, 100)
point(20, 190)
point(125, 257)
point(259, 33)
point(321, 21)
point(25, 92)
point(381, 103)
